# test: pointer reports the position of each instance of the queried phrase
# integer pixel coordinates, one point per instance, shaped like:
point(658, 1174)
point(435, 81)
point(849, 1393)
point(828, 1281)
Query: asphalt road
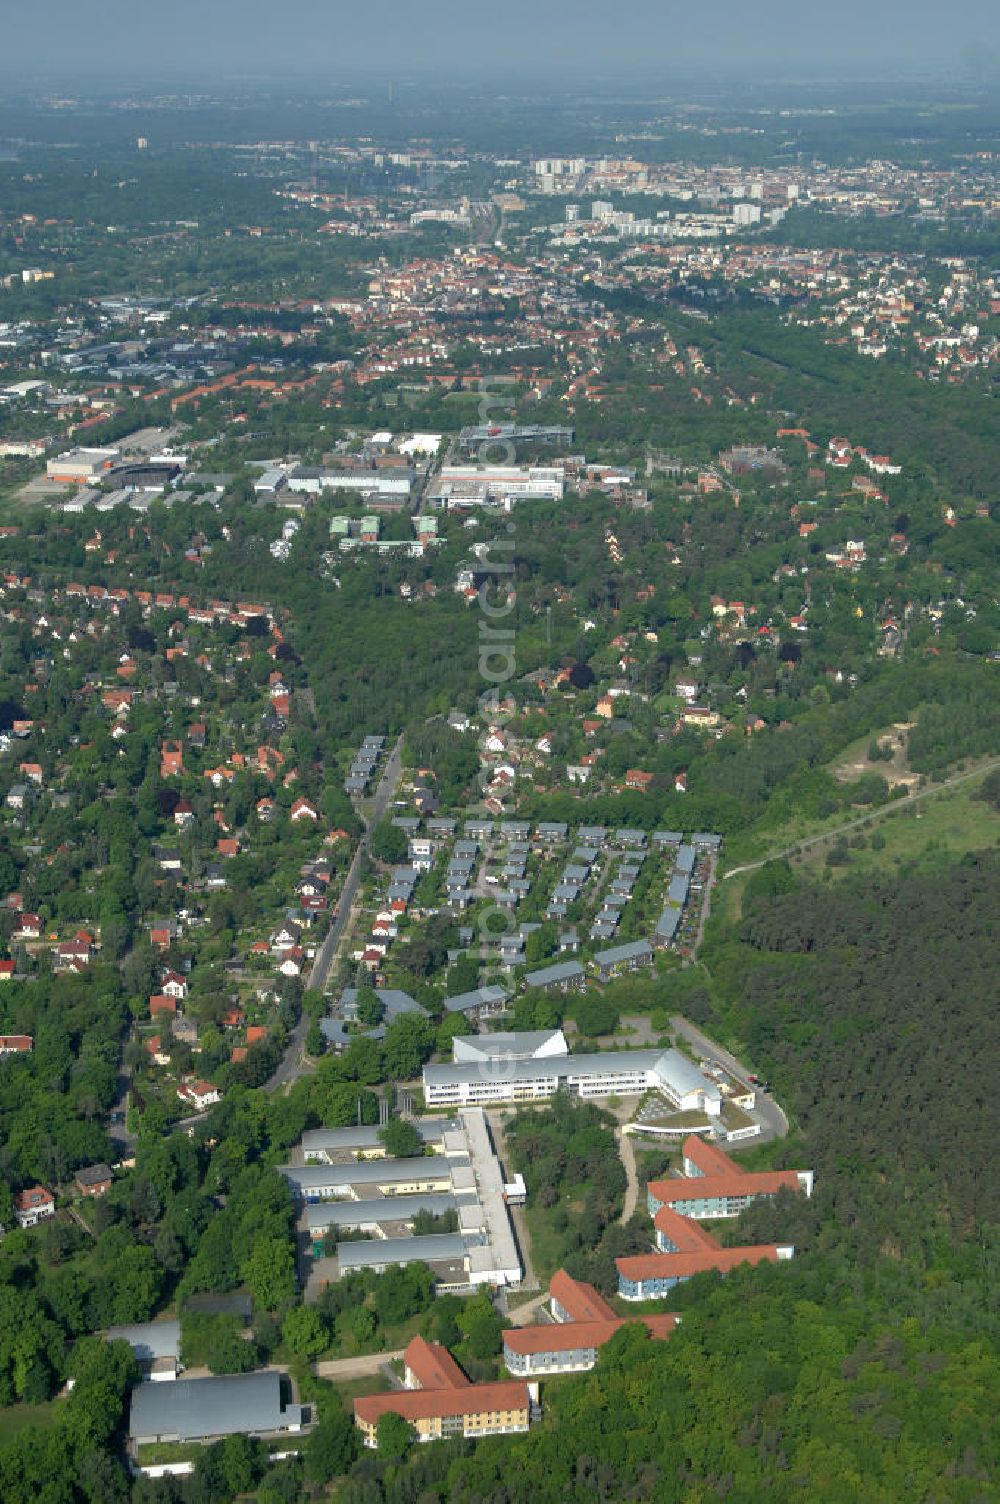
point(775, 1124)
point(291, 1063)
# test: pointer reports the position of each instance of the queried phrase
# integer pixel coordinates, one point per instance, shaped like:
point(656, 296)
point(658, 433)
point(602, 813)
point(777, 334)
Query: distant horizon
point(60, 42)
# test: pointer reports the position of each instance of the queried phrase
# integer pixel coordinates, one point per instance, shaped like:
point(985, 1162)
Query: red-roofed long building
point(713, 1186)
point(440, 1401)
point(582, 1322)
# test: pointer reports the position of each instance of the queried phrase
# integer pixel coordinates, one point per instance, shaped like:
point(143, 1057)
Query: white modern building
point(623, 1073)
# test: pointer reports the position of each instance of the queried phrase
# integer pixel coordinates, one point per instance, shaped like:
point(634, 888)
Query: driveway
point(369, 1365)
point(627, 1152)
point(773, 1120)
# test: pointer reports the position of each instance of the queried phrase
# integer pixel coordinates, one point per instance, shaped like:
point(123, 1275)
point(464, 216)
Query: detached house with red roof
point(200, 1094)
point(171, 760)
point(34, 1205)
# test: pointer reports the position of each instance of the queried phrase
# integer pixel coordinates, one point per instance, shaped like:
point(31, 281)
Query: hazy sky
point(94, 41)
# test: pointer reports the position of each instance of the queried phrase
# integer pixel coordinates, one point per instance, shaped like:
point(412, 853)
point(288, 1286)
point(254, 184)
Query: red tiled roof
point(581, 1300)
point(426, 1404)
point(644, 1266)
point(433, 1366)
point(35, 1195)
point(560, 1336)
point(710, 1159)
point(687, 1235)
point(736, 1183)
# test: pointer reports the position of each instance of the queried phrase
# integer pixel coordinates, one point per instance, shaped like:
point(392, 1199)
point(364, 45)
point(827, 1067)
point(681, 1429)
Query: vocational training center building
point(439, 1400)
point(713, 1186)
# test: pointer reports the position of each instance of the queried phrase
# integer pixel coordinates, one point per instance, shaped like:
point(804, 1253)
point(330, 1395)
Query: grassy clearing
point(930, 834)
point(853, 762)
point(17, 1418)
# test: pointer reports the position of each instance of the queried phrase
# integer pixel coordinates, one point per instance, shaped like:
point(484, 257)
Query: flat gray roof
point(369, 1253)
point(149, 1340)
point(196, 1409)
point(379, 1210)
point(368, 1172)
point(333, 1140)
point(633, 951)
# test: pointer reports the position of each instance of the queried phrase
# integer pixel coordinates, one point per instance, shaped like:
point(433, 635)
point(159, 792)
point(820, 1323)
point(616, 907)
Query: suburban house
point(93, 1180)
point(200, 1094)
point(33, 1205)
point(620, 958)
point(75, 954)
point(562, 976)
point(15, 1044)
point(440, 1401)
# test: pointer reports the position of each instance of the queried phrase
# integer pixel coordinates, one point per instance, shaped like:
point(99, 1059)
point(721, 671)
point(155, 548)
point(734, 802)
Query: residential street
point(291, 1064)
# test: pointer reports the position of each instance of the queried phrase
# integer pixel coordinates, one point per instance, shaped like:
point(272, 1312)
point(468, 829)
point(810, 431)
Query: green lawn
point(168, 1451)
point(352, 1389)
point(17, 1418)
